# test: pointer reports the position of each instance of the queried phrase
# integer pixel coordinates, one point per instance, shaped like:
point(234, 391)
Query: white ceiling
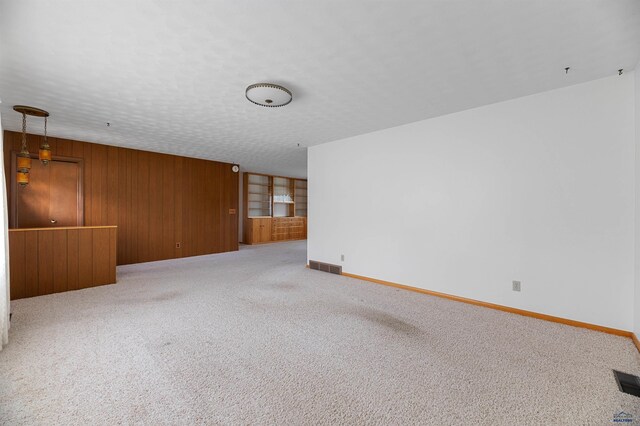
point(170, 76)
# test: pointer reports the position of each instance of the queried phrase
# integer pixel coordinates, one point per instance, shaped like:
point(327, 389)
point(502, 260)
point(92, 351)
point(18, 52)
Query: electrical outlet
point(342, 257)
point(516, 285)
point(178, 245)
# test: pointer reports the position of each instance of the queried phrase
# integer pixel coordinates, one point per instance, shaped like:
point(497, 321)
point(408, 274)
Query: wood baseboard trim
point(503, 308)
point(635, 341)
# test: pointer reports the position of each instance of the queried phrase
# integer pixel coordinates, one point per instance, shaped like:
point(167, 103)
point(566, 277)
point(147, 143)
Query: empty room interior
point(341, 213)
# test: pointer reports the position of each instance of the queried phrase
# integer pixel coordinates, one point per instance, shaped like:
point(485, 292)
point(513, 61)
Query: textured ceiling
point(170, 76)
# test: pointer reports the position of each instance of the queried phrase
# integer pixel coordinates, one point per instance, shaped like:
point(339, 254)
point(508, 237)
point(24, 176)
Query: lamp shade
point(22, 178)
point(45, 154)
point(268, 95)
point(23, 162)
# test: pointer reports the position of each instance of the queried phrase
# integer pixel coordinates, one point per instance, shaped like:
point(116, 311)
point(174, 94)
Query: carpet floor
point(253, 337)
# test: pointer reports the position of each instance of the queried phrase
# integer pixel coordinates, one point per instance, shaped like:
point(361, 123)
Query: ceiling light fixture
point(268, 95)
point(23, 159)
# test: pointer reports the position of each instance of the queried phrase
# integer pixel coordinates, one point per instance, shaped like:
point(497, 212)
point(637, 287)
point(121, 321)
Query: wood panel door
point(53, 197)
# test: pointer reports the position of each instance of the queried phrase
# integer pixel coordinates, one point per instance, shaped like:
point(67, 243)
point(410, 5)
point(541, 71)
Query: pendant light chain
point(45, 150)
point(23, 159)
point(24, 133)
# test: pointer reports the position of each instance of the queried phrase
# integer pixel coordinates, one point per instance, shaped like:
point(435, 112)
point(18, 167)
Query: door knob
point(54, 221)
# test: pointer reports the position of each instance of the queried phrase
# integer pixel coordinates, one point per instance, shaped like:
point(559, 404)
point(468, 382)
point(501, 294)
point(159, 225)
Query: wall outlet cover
point(516, 285)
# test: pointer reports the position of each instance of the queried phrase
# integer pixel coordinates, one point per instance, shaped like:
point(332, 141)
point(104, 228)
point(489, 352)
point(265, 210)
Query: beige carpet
point(255, 338)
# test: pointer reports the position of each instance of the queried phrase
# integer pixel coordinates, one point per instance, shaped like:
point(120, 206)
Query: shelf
point(278, 199)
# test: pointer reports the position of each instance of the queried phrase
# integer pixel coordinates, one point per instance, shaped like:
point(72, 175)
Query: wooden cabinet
point(288, 228)
point(274, 208)
point(280, 229)
point(260, 230)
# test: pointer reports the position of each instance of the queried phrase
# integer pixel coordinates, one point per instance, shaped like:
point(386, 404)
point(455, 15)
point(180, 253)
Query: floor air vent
point(325, 267)
point(627, 383)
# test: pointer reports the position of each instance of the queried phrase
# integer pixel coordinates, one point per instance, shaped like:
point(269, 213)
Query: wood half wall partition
point(165, 206)
point(53, 260)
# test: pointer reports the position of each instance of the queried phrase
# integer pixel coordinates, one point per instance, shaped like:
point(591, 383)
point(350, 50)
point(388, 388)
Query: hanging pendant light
point(22, 178)
point(45, 150)
point(23, 158)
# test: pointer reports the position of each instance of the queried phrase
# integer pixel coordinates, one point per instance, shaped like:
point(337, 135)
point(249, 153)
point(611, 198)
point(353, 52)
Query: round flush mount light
point(268, 95)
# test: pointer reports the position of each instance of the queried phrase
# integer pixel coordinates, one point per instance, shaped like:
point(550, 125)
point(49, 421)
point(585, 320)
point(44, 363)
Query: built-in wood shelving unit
point(275, 208)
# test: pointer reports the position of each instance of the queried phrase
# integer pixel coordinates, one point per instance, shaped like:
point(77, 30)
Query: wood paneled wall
point(45, 261)
point(157, 201)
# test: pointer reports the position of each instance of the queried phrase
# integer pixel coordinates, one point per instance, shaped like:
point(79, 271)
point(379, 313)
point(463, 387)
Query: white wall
point(636, 328)
point(538, 189)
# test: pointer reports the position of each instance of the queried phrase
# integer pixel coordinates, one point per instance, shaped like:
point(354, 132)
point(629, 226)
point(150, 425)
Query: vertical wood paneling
point(73, 263)
point(178, 203)
point(168, 208)
point(31, 264)
point(77, 150)
point(45, 262)
point(155, 207)
point(85, 259)
point(33, 143)
point(104, 188)
point(200, 209)
point(132, 206)
point(64, 148)
point(99, 200)
point(113, 200)
point(216, 208)
point(113, 238)
point(121, 219)
point(60, 261)
point(187, 213)
point(17, 265)
point(142, 196)
point(156, 200)
point(101, 256)
point(87, 184)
